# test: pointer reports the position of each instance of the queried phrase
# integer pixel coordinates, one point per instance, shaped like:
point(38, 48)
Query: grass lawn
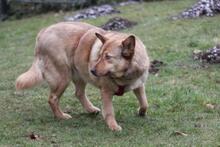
point(177, 96)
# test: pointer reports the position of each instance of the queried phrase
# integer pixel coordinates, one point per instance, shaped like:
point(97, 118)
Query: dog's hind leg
point(142, 98)
point(58, 81)
point(54, 98)
point(80, 86)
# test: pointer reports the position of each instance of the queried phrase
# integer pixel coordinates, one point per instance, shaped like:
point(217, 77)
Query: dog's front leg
point(108, 111)
point(142, 98)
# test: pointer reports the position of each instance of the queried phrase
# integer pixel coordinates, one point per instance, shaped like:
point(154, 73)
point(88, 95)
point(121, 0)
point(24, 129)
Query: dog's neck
point(130, 74)
point(125, 81)
point(132, 79)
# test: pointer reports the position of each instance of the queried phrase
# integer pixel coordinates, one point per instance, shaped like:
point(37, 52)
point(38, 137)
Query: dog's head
point(115, 56)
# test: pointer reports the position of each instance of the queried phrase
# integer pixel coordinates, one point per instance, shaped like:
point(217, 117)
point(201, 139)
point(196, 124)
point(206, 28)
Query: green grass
point(177, 96)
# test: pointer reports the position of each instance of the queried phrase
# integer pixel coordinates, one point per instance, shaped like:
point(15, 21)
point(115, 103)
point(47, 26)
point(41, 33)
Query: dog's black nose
point(93, 71)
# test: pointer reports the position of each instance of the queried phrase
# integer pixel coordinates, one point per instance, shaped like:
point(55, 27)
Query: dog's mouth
point(94, 73)
point(116, 75)
point(110, 74)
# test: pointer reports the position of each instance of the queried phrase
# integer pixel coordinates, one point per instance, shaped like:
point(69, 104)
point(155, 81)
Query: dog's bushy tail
point(30, 78)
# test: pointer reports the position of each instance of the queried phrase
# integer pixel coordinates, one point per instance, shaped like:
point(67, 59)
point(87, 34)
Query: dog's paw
point(115, 127)
point(67, 116)
point(142, 111)
point(64, 116)
point(94, 110)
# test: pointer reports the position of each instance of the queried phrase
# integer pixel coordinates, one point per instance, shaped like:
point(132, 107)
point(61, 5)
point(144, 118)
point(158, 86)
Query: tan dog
point(113, 62)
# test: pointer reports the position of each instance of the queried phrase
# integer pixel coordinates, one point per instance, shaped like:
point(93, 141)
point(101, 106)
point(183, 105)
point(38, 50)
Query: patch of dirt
point(155, 66)
point(93, 12)
point(118, 23)
point(212, 55)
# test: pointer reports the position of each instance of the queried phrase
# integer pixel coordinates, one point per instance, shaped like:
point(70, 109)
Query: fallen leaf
point(210, 106)
point(197, 51)
point(180, 133)
point(33, 136)
point(19, 93)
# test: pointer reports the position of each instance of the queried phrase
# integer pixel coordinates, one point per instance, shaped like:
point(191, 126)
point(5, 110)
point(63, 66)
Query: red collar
point(120, 91)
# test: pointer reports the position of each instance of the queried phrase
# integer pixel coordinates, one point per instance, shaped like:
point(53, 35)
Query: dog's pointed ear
point(101, 37)
point(128, 46)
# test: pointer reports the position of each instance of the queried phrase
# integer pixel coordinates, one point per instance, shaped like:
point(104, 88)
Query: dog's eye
point(107, 56)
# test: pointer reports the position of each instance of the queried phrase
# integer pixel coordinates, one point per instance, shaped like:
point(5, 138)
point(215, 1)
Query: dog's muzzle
point(93, 71)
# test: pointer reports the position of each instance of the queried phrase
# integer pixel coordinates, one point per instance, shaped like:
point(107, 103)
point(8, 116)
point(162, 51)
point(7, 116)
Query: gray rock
point(93, 12)
point(202, 7)
point(211, 55)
